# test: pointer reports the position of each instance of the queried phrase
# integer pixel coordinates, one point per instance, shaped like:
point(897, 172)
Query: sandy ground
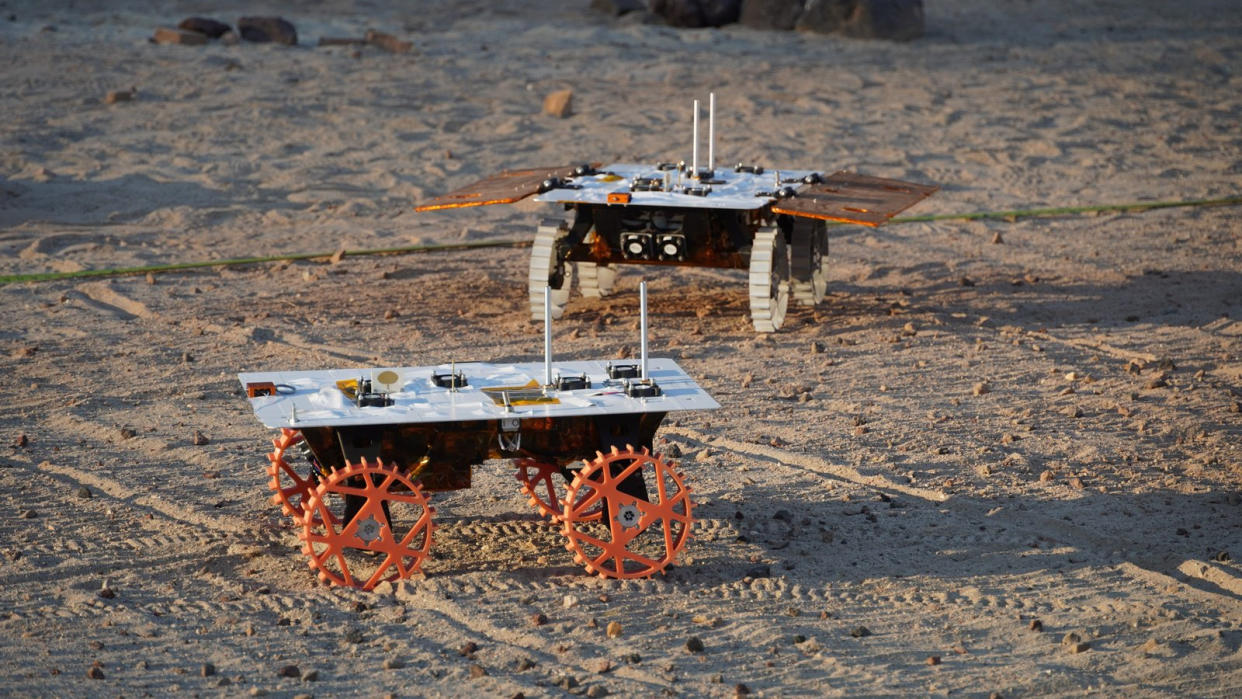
point(1091, 491)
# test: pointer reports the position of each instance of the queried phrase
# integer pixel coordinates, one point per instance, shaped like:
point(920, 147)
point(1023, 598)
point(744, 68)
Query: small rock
point(603, 666)
point(1046, 476)
point(95, 672)
point(817, 347)
point(267, 29)
point(673, 451)
point(468, 649)
point(965, 281)
point(393, 663)
point(209, 28)
point(477, 671)
point(84, 493)
point(28, 514)
point(703, 455)
point(525, 664)
point(909, 330)
point(170, 35)
point(22, 440)
point(1076, 648)
point(740, 690)
point(559, 104)
point(860, 632)
point(1235, 408)
point(596, 691)
point(1036, 625)
point(114, 96)
point(1076, 483)
point(997, 239)
point(1157, 381)
point(1071, 638)
point(310, 676)
point(337, 256)
point(569, 602)
point(127, 433)
point(106, 592)
point(783, 515)
point(538, 619)
point(694, 645)
point(186, 358)
point(289, 671)
point(613, 630)
point(568, 682)
point(199, 439)
point(1073, 411)
point(388, 42)
point(616, 8)
point(759, 571)
point(933, 660)
point(207, 670)
point(981, 388)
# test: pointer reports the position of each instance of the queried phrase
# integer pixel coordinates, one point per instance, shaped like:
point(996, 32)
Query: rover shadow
point(964, 539)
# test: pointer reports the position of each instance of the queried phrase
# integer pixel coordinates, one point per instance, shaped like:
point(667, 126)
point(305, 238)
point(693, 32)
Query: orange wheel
point(367, 523)
point(290, 490)
point(639, 535)
point(539, 481)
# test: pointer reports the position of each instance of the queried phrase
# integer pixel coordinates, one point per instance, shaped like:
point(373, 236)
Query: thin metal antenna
point(711, 132)
point(694, 167)
point(547, 336)
point(642, 324)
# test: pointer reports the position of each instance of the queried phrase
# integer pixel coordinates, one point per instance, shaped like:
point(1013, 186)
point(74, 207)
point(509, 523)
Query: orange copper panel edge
point(852, 198)
point(502, 188)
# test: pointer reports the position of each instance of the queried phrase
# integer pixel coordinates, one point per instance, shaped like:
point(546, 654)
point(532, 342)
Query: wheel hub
point(628, 516)
point(368, 530)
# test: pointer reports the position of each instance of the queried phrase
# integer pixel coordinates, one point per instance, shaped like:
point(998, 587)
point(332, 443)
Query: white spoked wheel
point(769, 279)
point(595, 280)
point(543, 270)
point(808, 263)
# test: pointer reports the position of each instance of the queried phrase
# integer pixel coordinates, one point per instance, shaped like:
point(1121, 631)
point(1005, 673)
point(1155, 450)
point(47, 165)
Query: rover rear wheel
point(595, 280)
point(808, 261)
point(547, 271)
point(289, 489)
point(637, 536)
point(365, 524)
point(769, 279)
point(544, 483)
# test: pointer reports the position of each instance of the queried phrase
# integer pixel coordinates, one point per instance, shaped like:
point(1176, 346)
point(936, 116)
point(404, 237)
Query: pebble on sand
point(207, 670)
point(860, 632)
point(171, 35)
point(84, 493)
point(981, 388)
point(289, 671)
point(559, 104)
point(596, 691)
point(613, 629)
point(95, 672)
point(199, 439)
point(477, 671)
point(694, 645)
point(538, 619)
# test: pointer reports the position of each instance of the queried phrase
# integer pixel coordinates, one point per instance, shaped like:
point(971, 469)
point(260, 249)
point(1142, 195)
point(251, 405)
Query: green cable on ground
point(410, 249)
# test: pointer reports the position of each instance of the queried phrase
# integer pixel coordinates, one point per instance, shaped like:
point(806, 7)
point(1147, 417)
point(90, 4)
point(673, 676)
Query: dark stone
point(267, 29)
point(616, 8)
point(901, 20)
point(207, 27)
point(697, 13)
point(759, 571)
point(771, 14)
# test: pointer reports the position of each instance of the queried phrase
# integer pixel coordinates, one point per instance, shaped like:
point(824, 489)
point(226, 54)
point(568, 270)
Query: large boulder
point(697, 13)
point(901, 20)
point(265, 29)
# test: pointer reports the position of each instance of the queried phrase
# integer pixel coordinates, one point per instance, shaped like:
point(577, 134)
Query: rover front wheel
point(808, 261)
point(547, 270)
point(769, 279)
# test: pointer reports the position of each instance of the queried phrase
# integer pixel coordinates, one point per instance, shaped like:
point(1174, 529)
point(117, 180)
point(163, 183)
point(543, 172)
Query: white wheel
point(595, 281)
point(808, 263)
point(769, 279)
point(543, 268)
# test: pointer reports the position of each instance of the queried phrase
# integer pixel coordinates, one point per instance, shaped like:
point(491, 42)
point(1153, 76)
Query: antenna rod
point(711, 132)
point(547, 336)
point(694, 167)
point(642, 324)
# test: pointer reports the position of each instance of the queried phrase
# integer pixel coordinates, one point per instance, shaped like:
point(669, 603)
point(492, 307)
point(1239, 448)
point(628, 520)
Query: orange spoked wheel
point(540, 481)
point(289, 489)
point(365, 524)
point(638, 534)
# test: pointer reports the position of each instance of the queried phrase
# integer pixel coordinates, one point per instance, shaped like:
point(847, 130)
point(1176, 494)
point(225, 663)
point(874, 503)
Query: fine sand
point(1001, 457)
